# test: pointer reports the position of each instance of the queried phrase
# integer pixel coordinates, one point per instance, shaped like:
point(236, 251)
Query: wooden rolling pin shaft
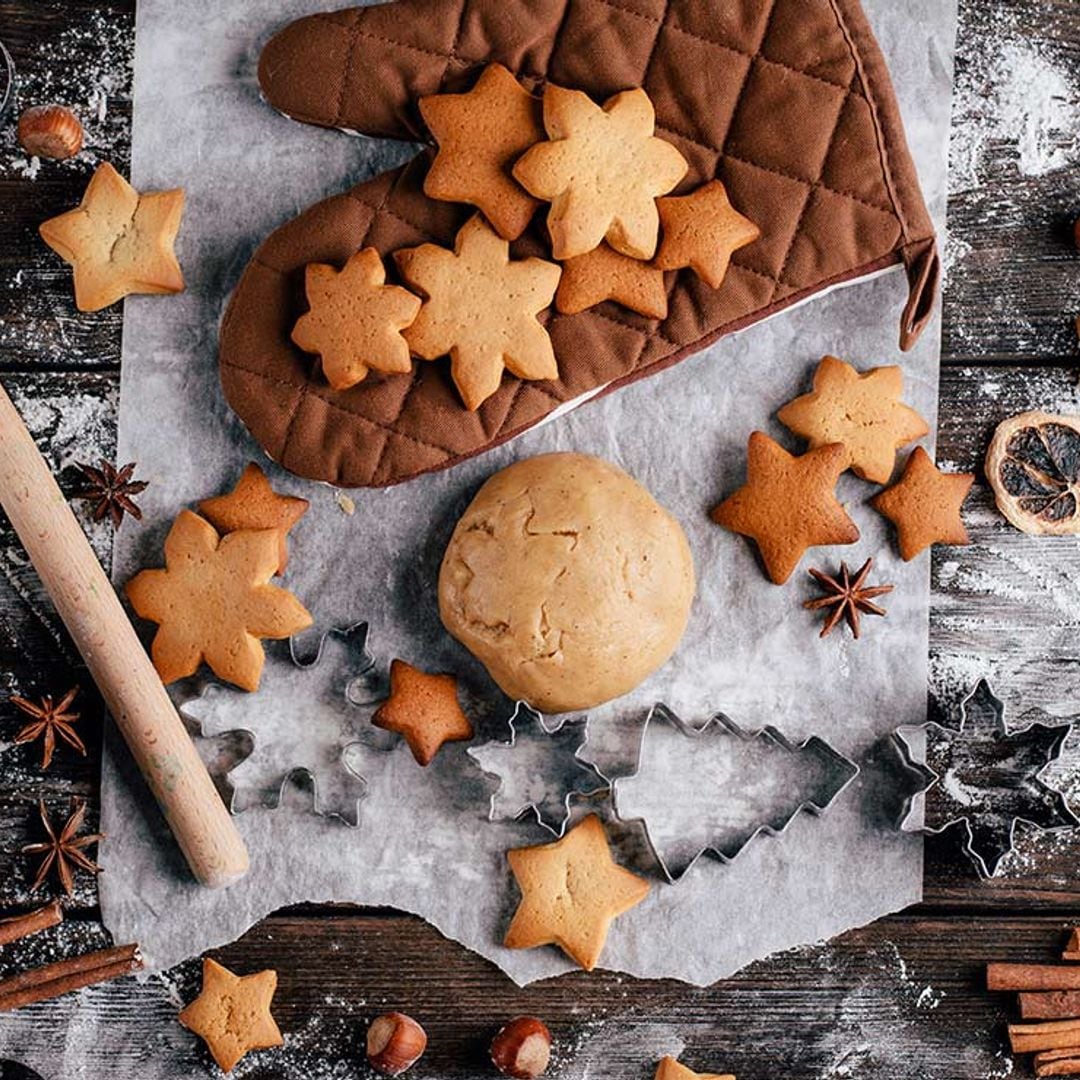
point(127, 680)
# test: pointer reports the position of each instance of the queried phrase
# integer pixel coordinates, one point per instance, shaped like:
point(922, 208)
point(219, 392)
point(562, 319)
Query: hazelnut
point(50, 131)
point(522, 1049)
point(394, 1043)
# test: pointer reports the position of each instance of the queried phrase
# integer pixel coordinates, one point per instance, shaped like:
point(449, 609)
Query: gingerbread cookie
point(702, 230)
point(117, 241)
point(863, 411)
point(213, 602)
point(601, 171)
point(355, 319)
point(571, 891)
point(788, 504)
point(924, 505)
point(480, 135)
point(424, 710)
point(232, 1014)
point(480, 307)
point(254, 504)
point(604, 274)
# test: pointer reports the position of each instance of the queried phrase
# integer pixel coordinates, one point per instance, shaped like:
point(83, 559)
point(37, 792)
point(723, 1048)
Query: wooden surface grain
point(900, 998)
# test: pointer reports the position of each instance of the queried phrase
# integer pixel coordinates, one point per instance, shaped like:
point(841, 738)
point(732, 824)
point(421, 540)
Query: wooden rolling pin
point(127, 680)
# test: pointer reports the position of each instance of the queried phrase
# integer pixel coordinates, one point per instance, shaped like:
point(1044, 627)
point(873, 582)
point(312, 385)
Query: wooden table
point(900, 998)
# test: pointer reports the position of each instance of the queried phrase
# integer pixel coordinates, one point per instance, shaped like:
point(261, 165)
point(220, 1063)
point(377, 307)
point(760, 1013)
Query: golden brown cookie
point(480, 135)
point(424, 709)
point(604, 274)
point(670, 1069)
point(254, 504)
point(601, 170)
point(117, 241)
point(232, 1014)
point(480, 307)
point(354, 320)
point(571, 891)
point(863, 411)
point(788, 504)
point(924, 505)
point(213, 602)
point(702, 230)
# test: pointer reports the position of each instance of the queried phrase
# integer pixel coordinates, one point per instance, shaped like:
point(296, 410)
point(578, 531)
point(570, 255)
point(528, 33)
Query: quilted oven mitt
point(787, 102)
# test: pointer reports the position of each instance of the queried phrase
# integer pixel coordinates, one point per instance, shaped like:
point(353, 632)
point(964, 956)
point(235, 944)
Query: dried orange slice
point(1033, 465)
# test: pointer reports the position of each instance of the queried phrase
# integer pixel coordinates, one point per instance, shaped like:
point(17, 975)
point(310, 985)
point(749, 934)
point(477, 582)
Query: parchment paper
point(424, 843)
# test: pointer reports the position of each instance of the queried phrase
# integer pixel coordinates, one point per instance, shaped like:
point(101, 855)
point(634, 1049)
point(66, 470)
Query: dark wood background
point(900, 998)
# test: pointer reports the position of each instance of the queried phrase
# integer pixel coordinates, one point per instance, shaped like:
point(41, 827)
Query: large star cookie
point(481, 308)
point(232, 1014)
point(671, 1069)
point(788, 504)
point(571, 891)
point(354, 320)
point(604, 274)
point(117, 241)
point(213, 602)
point(601, 171)
point(862, 411)
point(480, 135)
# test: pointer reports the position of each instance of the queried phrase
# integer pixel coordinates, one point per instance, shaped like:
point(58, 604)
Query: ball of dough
point(567, 580)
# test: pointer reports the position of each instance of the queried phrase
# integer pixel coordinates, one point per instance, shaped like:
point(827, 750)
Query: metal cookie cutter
point(540, 769)
point(716, 787)
point(985, 777)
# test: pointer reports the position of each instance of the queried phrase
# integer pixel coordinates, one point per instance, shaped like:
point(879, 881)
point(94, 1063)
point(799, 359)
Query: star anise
point(64, 848)
point(111, 490)
point(847, 596)
point(49, 722)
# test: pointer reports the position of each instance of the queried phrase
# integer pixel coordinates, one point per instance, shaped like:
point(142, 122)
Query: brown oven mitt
point(788, 102)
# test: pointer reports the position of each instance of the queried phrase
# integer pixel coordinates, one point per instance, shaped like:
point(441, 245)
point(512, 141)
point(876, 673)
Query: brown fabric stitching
point(354, 38)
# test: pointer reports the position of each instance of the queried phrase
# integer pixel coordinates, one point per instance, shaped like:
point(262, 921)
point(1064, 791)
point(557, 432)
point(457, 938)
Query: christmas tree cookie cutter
point(714, 788)
point(986, 777)
point(539, 769)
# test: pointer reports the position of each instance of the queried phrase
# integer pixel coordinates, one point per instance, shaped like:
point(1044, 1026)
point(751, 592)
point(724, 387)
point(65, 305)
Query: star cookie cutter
point(986, 778)
point(716, 787)
point(540, 769)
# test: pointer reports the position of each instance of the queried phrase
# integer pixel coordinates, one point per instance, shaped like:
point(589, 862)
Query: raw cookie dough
point(567, 580)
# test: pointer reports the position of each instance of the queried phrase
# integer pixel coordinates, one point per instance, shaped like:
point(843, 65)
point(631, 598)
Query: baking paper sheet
point(424, 843)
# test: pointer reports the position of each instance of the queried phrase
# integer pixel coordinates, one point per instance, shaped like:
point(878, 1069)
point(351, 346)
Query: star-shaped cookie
point(702, 230)
point(670, 1069)
point(354, 320)
point(788, 504)
point(254, 504)
point(481, 308)
point(571, 891)
point(213, 602)
point(232, 1014)
point(861, 410)
point(480, 135)
point(117, 241)
point(924, 505)
point(424, 709)
point(604, 274)
point(601, 170)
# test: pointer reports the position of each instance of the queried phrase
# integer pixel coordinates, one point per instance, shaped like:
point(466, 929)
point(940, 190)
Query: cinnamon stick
point(1050, 1004)
point(1032, 977)
point(1056, 1055)
point(1050, 1036)
point(1058, 1062)
point(55, 980)
point(32, 922)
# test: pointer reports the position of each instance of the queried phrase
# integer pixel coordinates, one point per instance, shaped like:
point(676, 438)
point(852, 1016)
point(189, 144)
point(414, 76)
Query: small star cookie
point(254, 504)
point(604, 274)
point(480, 307)
point(571, 891)
point(702, 230)
point(480, 135)
point(213, 602)
point(788, 504)
point(670, 1069)
point(424, 710)
point(117, 241)
point(601, 170)
point(355, 319)
point(863, 411)
point(232, 1014)
point(924, 505)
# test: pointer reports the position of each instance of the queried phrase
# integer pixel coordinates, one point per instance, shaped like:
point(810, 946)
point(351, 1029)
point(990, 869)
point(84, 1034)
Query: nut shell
point(395, 1043)
point(50, 131)
point(522, 1049)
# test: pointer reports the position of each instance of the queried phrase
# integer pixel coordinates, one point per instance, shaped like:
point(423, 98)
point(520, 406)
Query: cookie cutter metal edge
point(843, 768)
